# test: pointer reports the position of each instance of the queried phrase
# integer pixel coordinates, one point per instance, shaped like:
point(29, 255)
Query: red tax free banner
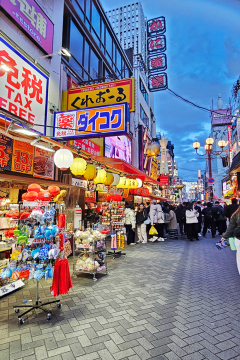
point(24, 88)
point(164, 180)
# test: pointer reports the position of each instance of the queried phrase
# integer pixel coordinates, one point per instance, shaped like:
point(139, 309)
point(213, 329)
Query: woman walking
point(157, 220)
point(233, 230)
point(192, 222)
point(130, 223)
point(172, 225)
point(141, 216)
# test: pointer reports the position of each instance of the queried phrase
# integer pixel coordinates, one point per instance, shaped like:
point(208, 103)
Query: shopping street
point(169, 300)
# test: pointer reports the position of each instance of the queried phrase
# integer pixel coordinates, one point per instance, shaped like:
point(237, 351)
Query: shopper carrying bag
point(157, 219)
point(141, 217)
point(192, 222)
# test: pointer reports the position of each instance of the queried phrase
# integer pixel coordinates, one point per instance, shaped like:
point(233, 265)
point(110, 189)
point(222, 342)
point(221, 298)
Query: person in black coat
point(181, 217)
point(230, 209)
point(208, 220)
point(197, 207)
point(218, 218)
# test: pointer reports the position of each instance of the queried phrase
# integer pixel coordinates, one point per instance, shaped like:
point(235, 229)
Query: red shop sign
point(164, 180)
point(140, 191)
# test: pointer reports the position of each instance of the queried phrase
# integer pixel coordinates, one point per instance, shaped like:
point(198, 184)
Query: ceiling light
point(65, 52)
point(4, 67)
point(41, 145)
point(25, 131)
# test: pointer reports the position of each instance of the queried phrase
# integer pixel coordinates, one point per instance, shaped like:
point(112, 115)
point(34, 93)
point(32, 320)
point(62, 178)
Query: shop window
point(76, 43)
point(103, 33)
point(86, 55)
point(94, 66)
point(143, 91)
point(96, 19)
point(75, 65)
point(144, 117)
point(108, 43)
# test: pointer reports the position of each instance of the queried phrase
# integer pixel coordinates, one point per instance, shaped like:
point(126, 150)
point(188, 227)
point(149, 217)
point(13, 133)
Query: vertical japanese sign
point(93, 122)
point(229, 129)
point(43, 164)
point(30, 17)
point(22, 157)
point(23, 88)
point(6, 145)
point(157, 61)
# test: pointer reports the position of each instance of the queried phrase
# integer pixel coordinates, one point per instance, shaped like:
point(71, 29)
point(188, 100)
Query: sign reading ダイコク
point(24, 88)
point(113, 92)
point(32, 19)
point(93, 122)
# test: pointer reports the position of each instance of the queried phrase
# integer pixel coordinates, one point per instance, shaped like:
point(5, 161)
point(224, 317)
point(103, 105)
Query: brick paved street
point(165, 301)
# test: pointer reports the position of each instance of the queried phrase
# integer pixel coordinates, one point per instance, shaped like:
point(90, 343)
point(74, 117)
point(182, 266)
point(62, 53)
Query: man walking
point(218, 217)
point(181, 218)
point(208, 220)
point(230, 209)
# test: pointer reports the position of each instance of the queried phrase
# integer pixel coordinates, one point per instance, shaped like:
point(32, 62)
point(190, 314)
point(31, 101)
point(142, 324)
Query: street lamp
point(61, 51)
point(209, 151)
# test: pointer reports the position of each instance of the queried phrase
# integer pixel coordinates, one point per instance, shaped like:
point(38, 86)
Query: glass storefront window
point(94, 65)
point(76, 43)
point(96, 20)
point(108, 43)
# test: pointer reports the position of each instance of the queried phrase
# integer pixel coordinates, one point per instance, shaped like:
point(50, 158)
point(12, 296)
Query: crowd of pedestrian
point(191, 219)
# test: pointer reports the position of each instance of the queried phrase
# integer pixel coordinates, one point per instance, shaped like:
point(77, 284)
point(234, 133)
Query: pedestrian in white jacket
point(192, 222)
point(157, 220)
point(130, 224)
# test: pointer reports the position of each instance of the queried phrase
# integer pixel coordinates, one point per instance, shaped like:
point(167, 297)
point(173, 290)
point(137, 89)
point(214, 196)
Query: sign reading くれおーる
point(93, 122)
point(113, 92)
point(22, 157)
point(32, 20)
point(23, 88)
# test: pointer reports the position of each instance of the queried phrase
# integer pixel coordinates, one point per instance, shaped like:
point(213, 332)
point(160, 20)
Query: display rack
point(88, 257)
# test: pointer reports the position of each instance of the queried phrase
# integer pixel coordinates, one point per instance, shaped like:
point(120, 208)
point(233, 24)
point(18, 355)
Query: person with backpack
point(141, 216)
point(192, 222)
point(218, 218)
point(172, 225)
point(208, 219)
point(157, 220)
point(180, 214)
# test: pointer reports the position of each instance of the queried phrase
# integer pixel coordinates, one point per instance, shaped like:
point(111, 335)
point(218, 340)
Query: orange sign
point(22, 157)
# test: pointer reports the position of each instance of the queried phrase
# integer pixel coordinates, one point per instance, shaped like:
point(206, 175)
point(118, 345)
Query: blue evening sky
point(203, 54)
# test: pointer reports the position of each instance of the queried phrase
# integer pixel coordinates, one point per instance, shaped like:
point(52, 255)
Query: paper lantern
point(44, 196)
point(24, 196)
point(34, 187)
point(91, 172)
point(117, 197)
point(98, 209)
point(116, 179)
point(133, 184)
point(31, 196)
point(54, 190)
point(78, 166)
point(139, 181)
point(101, 177)
point(63, 159)
point(123, 183)
point(109, 198)
point(109, 179)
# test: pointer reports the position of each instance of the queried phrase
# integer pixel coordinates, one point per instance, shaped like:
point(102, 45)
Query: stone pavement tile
point(91, 333)
point(193, 356)
point(22, 354)
point(116, 338)
point(67, 342)
point(224, 345)
point(4, 346)
point(66, 328)
point(193, 339)
point(77, 349)
point(161, 341)
point(133, 357)
point(122, 354)
point(15, 346)
point(30, 357)
point(178, 341)
point(179, 333)
point(94, 348)
point(4, 354)
point(92, 356)
point(172, 356)
point(128, 344)
point(26, 338)
point(40, 352)
point(161, 350)
point(105, 355)
point(100, 339)
point(111, 346)
point(177, 349)
point(222, 329)
point(59, 351)
point(193, 348)
point(209, 331)
point(148, 335)
point(32, 345)
point(141, 352)
point(209, 355)
point(209, 338)
point(193, 331)
point(68, 356)
point(145, 343)
point(210, 346)
point(227, 354)
point(50, 343)
point(74, 334)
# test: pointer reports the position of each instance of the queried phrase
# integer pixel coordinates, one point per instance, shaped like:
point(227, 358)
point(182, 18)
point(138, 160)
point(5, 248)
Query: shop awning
point(124, 167)
point(235, 167)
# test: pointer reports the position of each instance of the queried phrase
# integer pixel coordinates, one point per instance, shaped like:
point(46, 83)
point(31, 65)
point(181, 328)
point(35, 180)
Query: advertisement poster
point(24, 89)
point(88, 146)
point(119, 147)
point(6, 145)
point(43, 164)
point(22, 157)
point(31, 19)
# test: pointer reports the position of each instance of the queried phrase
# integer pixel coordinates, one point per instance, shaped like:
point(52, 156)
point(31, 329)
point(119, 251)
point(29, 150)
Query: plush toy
point(25, 215)
point(59, 198)
point(31, 196)
point(22, 240)
point(44, 196)
point(39, 233)
point(54, 190)
point(34, 187)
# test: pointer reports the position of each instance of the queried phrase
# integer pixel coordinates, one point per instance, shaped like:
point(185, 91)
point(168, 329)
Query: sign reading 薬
point(157, 61)
point(92, 122)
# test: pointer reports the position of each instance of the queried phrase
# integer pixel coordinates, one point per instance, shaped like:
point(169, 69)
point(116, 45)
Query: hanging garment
point(61, 278)
point(61, 221)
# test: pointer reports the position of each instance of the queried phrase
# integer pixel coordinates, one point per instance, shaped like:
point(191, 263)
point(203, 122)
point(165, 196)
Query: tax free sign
point(109, 120)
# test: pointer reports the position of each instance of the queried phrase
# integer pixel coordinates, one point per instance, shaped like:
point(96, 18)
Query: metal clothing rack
point(38, 305)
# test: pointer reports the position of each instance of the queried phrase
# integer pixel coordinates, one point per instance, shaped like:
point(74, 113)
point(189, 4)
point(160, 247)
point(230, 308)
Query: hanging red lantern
point(34, 187)
point(117, 197)
point(54, 190)
point(109, 198)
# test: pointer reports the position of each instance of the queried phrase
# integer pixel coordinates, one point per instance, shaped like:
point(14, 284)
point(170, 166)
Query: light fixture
point(4, 67)
point(207, 147)
point(79, 166)
point(63, 159)
point(139, 181)
point(101, 176)
point(196, 145)
point(41, 145)
point(25, 129)
point(61, 51)
point(209, 141)
point(222, 143)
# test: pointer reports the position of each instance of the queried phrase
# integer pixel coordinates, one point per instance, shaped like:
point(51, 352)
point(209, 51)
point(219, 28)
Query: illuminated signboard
point(32, 20)
point(157, 61)
point(23, 89)
point(108, 93)
point(93, 122)
point(221, 117)
point(119, 147)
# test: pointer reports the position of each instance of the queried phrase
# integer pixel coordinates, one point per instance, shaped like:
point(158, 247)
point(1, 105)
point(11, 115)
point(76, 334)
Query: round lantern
point(116, 179)
point(34, 187)
point(78, 166)
point(101, 177)
point(31, 196)
point(54, 190)
point(134, 184)
point(139, 181)
point(44, 195)
point(63, 159)
point(117, 197)
point(109, 179)
point(91, 172)
point(109, 198)
point(123, 182)
point(24, 196)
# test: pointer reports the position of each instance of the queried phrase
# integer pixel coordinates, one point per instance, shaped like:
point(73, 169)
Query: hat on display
point(38, 274)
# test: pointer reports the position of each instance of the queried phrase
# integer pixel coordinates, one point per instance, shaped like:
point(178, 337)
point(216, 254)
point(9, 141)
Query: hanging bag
point(232, 243)
point(147, 221)
point(153, 231)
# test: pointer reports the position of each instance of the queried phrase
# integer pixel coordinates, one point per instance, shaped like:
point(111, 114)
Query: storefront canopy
point(124, 167)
